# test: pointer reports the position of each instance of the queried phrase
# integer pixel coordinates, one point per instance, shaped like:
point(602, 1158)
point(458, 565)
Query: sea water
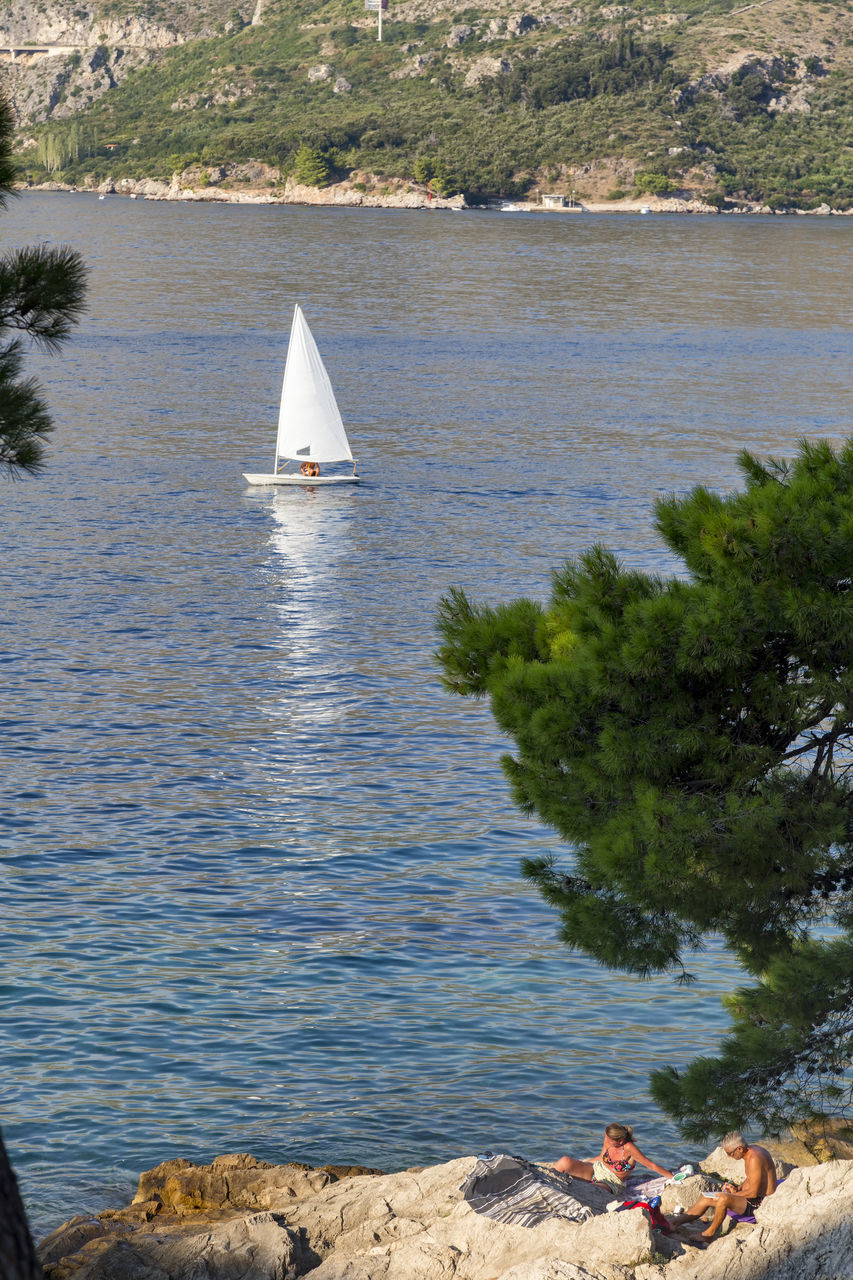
point(260, 871)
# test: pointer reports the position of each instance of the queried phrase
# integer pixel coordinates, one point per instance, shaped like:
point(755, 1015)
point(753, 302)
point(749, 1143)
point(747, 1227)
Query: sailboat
point(310, 430)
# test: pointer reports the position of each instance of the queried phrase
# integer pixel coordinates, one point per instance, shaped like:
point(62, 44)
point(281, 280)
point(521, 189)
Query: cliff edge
point(242, 1218)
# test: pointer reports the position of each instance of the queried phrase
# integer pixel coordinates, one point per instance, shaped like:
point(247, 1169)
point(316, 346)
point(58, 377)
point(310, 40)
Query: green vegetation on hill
point(752, 104)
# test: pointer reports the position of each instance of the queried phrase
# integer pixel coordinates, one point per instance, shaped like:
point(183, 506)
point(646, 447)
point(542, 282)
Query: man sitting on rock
point(759, 1183)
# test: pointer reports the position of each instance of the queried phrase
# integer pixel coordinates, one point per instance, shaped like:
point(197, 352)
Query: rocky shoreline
point(242, 1219)
point(199, 188)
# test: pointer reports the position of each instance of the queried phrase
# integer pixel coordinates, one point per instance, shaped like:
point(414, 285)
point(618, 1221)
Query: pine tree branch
point(42, 292)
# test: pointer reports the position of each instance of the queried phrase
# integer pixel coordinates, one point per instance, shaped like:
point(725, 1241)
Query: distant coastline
point(346, 195)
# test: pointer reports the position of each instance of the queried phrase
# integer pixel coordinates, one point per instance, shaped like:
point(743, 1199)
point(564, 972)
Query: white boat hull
point(254, 478)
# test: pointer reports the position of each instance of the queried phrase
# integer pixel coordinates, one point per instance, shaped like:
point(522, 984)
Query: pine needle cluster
point(692, 741)
point(41, 297)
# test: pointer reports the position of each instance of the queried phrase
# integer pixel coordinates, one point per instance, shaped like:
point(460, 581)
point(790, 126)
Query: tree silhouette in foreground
point(41, 296)
point(691, 739)
point(17, 1256)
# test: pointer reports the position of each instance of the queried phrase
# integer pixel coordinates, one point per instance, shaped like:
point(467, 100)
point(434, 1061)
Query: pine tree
point(41, 297)
point(692, 739)
point(311, 168)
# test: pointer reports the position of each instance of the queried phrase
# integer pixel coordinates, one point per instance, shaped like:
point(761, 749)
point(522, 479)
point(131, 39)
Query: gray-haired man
point(759, 1183)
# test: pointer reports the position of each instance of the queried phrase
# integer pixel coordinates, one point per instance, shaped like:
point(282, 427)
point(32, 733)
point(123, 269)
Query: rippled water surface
point(259, 871)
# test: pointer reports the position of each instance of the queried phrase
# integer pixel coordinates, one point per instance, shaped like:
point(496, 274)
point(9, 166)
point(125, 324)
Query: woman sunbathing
point(618, 1157)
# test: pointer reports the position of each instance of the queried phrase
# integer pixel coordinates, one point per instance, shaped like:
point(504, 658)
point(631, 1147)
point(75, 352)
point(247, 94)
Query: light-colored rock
point(189, 1221)
point(467, 1246)
point(69, 1239)
point(458, 35)
point(734, 1170)
point(150, 188)
point(415, 66)
point(485, 69)
point(79, 52)
point(804, 1231)
point(555, 1269)
point(242, 1219)
point(57, 87)
point(388, 197)
point(829, 1139)
point(520, 23)
point(322, 71)
point(686, 1193)
point(244, 1247)
point(66, 23)
point(256, 183)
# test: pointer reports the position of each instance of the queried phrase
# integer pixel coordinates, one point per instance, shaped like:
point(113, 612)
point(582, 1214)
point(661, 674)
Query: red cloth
point(659, 1222)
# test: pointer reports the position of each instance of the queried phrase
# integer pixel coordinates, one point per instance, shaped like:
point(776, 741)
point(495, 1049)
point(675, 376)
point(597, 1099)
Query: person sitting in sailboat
point(310, 468)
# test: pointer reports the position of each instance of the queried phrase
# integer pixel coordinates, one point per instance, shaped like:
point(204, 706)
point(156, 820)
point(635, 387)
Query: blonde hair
point(620, 1133)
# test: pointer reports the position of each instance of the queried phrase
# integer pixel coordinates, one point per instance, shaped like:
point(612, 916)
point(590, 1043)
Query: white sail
point(309, 421)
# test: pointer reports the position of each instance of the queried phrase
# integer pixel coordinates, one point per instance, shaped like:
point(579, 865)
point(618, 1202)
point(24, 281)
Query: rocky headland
point(242, 1219)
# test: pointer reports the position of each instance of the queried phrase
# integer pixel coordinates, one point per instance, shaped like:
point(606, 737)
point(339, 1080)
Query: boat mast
point(286, 363)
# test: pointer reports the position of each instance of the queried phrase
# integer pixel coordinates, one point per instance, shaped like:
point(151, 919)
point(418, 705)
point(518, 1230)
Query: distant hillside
point(731, 102)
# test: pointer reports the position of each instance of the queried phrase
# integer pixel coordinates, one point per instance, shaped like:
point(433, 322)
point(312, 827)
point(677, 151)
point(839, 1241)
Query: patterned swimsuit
point(618, 1166)
point(611, 1172)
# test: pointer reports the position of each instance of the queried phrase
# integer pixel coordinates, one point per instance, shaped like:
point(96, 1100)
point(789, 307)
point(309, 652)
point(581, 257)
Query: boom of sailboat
point(310, 429)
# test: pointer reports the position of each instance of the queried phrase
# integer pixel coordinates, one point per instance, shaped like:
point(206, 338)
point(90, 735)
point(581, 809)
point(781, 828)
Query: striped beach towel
point(512, 1189)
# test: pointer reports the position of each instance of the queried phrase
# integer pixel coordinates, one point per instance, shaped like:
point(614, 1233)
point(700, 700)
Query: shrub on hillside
point(653, 184)
point(575, 70)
